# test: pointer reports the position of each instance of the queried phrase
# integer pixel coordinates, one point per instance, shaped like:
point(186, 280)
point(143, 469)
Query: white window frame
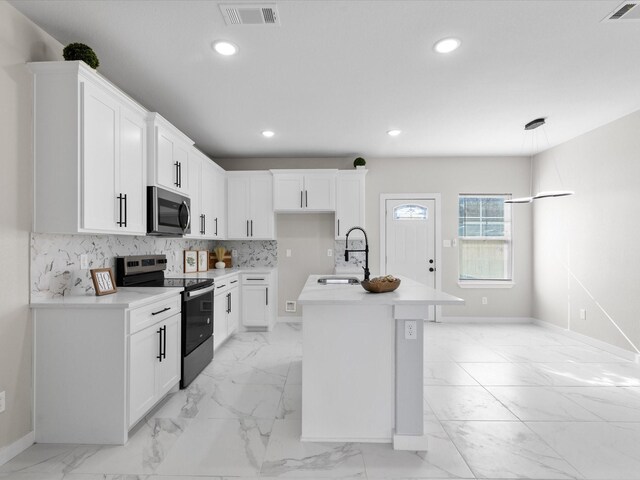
point(484, 283)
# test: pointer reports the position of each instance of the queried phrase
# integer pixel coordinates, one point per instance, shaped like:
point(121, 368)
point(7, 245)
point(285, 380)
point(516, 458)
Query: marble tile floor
point(501, 402)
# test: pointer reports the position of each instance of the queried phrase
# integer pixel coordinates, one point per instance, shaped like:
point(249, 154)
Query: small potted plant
point(359, 162)
point(80, 51)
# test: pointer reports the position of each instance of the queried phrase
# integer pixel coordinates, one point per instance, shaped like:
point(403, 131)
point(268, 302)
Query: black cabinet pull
point(177, 182)
point(180, 174)
point(234, 281)
point(204, 224)
point(160, 311)
point(306, 198)
point(125, 210)
point(222, 286)
point(120, 222)
point(159, 356)
point(216, 222)
point(247, 228)
point(164, 342)
point(228, 303)
point(252, 228)
point(300, 198)
point(338, 227)
point(255, 279)
point(266, 296)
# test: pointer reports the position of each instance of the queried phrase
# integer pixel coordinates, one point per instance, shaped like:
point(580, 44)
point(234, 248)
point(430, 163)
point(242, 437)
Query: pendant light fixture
point(532, 125)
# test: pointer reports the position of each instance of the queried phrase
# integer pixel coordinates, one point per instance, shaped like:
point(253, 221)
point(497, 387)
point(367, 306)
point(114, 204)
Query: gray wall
point(448, 176)
point(20, 41)
point(586, 254)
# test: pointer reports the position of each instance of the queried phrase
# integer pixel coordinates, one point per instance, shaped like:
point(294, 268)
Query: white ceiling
point(336, 75)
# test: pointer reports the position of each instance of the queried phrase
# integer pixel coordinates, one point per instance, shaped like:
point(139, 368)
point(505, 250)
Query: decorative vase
point(220, 265)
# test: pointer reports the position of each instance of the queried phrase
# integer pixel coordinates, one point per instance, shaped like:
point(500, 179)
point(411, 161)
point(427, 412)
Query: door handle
point(159, 356)
point(160, 311)
point(164, 342)
point(228, 302)
point(125, 210)
point(338, 227)
point(252, 228)
point(247, 228)
point(266, 296)
point(306, 198)
point(120, 222)
point(204, 224)
point(177, 182)
point(216, 222)
point(300, 198)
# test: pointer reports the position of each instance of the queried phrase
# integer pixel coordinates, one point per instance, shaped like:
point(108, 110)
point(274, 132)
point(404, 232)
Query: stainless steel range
point(197, 307)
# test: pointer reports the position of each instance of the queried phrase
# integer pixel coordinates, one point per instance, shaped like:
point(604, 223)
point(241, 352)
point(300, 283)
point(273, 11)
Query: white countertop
point(135, 297)
point(409, 292)
point(125, 297)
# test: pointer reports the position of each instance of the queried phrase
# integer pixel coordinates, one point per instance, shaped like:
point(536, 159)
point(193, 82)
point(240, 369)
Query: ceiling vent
point(627, 11)
point(244, 14)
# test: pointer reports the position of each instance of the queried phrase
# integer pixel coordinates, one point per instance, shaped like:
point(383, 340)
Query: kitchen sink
point(339, 281)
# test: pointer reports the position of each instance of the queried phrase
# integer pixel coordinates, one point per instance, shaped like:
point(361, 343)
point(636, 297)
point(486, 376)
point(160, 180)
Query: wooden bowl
point(380, 287)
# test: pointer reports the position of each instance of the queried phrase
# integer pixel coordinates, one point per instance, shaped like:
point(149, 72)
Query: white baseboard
point(17, 447)
point(607, 347)
point(289, 319)
point(410, 442)
point(485, 319)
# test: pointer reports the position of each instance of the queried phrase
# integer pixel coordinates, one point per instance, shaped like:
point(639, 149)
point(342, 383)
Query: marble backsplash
point(252, 253)
point(55, 259)
point(356, 261)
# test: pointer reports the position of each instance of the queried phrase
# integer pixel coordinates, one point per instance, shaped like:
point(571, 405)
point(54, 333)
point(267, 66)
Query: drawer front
point(256, 278)
point(143, 317)
point(223, 286)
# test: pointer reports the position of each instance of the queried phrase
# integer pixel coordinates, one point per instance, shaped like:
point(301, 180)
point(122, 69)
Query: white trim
point(485, 284)
point(289, 319)
point(607, 347)
point(17, 447)
point(410, 442)
point(436, 197)
point(486, 320)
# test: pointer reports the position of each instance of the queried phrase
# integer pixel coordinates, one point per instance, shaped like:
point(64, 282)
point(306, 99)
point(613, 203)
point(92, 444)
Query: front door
point(410, 240)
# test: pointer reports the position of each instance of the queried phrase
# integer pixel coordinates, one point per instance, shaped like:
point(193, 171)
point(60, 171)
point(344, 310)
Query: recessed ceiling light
point(394, 133)
point(225, 48)
point(268, 133)
point(446, 45)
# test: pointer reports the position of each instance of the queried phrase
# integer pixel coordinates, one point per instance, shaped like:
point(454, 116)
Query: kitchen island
point(362, 363)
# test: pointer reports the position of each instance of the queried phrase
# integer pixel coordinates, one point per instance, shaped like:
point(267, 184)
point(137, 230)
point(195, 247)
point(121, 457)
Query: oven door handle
point(202, 291)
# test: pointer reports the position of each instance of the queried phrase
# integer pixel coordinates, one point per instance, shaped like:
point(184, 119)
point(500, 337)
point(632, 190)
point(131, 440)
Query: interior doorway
point(410, 238)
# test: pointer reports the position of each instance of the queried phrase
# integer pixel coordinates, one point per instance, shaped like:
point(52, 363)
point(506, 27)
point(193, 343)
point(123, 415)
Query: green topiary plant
point(80, 51)
point(359, 162)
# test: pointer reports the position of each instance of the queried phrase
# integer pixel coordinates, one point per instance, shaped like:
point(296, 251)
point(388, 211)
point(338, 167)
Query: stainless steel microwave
point(168, 213)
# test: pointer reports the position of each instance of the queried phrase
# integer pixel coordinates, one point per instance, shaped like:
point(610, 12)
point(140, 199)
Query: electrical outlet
point(234, 253)
point(583, 314)
point(288, 252)
point(329, 252)
point(84, 261)
point(485, 300)
point(410, 330)
point(2, 402)
point(290, 306)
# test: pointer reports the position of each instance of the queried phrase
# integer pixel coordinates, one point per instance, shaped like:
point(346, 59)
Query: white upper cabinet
point(90, 153)
point(250, 206)
point(350, 202)
point(304, 190)
point(207, 194)
point(168, 156)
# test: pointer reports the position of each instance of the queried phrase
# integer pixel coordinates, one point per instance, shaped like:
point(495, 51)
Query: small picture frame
point(103, 281)
point(203, 260)
point(190, 261)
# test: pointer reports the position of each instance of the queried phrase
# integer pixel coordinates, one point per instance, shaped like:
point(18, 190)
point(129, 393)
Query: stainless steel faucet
point(366, 250)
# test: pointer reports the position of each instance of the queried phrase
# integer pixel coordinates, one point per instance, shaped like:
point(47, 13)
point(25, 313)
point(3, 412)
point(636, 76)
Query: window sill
point(485, 284)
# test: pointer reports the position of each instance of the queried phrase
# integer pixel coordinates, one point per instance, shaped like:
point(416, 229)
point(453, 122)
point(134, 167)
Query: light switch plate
point(234, 253)
point(84, 261)
point(446, 243)
point(288, 252)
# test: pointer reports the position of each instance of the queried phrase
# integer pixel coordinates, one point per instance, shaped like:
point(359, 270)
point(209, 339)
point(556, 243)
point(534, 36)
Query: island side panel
point(409, 379)
point(348, 373)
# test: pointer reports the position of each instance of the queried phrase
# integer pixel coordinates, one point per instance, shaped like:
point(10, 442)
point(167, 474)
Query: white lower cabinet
point(100, 368)
point(226, 303)
point(259, 300)
point(154, 365)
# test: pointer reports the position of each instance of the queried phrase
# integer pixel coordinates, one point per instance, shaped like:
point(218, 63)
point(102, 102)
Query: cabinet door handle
point(216, 222)
point(266, 296)
point(247, 228)
point(228, 303)
point(234, 281)
point(160, 311)
point(300, 198)
point(222, 286)
point(164, 342)
point(177, 182)
point(204, 224)
point(159, 356)
point(119, 222)
point(179, 174)
point(338, 227)
point(252, 228)
point(306, 198)
point(125, 210)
